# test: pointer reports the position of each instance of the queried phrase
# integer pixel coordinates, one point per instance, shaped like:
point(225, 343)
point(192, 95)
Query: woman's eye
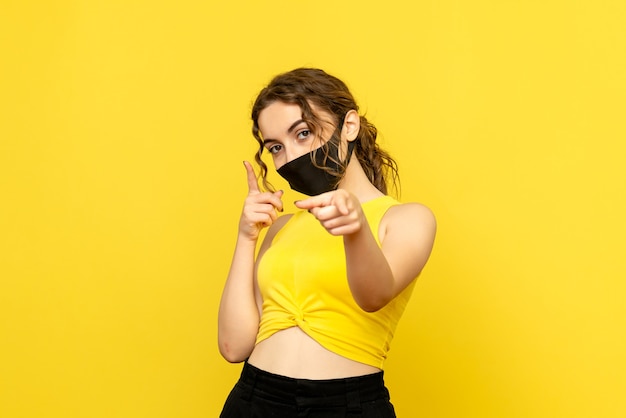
point(274, 149)
point(304, 134)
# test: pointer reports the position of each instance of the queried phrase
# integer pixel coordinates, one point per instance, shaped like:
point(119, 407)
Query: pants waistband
point(351, 391)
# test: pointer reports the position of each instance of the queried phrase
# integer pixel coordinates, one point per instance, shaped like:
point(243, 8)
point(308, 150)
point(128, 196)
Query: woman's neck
point(356, 182)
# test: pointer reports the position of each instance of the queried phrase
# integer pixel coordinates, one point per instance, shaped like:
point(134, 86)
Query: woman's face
point(286, 136)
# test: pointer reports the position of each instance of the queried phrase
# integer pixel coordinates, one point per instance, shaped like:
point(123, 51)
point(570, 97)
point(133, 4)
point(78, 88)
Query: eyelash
point(274, 149)
point(308, 134)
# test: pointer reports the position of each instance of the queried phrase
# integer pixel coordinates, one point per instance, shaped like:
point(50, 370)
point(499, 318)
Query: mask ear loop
point(342, 163)
point(351, 146)
point(334, 140)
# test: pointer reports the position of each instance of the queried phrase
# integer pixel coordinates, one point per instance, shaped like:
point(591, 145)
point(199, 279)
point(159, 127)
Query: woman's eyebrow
point(294, 125)
point(291, 128)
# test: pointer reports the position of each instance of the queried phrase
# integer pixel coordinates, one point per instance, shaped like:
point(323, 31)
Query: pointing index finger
point(314, 201)
point(253, 184)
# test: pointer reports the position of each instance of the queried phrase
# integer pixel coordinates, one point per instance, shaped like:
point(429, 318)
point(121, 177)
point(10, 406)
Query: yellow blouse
point(302, 278)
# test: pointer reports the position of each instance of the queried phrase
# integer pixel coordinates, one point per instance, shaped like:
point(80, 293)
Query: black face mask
point(304, 177)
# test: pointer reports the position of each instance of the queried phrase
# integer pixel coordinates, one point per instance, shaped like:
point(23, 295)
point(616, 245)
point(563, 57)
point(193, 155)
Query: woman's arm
point(238, 316)
point(376, 274)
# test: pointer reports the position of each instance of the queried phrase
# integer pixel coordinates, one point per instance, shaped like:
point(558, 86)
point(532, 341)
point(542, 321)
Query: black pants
point(259, 394)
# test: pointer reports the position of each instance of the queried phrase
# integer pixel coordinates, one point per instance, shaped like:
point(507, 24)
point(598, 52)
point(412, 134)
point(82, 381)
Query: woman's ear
point(351, 125)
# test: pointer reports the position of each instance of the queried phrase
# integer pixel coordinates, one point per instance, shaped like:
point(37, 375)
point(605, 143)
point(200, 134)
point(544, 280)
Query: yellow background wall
point(123, 125)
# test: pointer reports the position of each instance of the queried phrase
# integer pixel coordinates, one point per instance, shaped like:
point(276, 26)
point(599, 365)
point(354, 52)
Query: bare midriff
point(293, 353)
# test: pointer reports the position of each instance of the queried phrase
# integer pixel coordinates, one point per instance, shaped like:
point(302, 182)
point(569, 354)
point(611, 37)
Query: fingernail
point(296, 202)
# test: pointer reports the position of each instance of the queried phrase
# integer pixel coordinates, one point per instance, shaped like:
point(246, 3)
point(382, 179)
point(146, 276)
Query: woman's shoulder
point(407, 236)
point(411, 209)
point(409, 219)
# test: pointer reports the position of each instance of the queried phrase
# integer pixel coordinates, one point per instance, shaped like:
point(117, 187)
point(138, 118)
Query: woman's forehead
point(278, 117)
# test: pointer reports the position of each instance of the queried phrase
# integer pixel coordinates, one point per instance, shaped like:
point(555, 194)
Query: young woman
point(314, 314)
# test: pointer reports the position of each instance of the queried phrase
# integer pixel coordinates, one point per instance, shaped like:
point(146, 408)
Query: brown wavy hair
point(311, 86)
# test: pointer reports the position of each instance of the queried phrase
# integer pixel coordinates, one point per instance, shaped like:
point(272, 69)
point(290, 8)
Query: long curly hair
point(312, 86)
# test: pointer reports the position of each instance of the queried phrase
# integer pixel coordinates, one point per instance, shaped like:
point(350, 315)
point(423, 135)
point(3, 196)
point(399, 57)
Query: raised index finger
point(253, 184)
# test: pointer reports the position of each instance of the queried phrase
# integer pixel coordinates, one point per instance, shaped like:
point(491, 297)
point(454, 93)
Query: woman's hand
point(259, 209)
point(338, 211)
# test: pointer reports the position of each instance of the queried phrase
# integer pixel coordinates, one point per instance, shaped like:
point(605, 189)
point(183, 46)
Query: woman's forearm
point(369, 275)
point(238, 317)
